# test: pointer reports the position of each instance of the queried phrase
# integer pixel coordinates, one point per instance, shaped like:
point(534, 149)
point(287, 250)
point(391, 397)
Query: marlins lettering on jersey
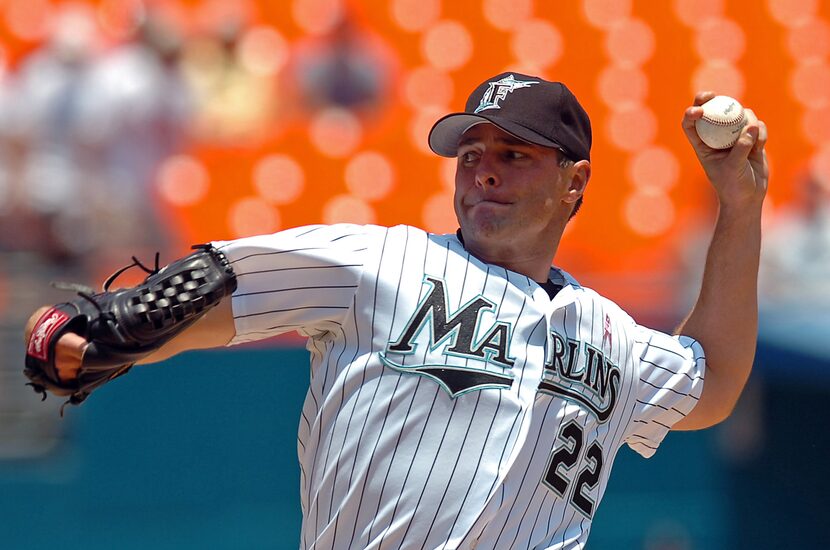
point(455, 335)
point(579, 371)
point(453, 403)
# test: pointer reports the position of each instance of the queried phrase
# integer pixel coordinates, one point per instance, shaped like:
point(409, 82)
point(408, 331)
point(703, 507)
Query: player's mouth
point(489, 201)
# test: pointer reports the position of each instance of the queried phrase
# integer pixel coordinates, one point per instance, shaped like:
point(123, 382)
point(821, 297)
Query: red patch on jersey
point(45, 327)
point(606, 331)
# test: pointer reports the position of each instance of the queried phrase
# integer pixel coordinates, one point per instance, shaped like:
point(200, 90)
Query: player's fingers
point(694, 113)
point(703, 96)
point(69, 354)
point(746, 141)
point(761, 137)
point(757, 155)
point(690, 115)
point(30, 324)
point(750, 137)
point(761, 142)
point(750, 116)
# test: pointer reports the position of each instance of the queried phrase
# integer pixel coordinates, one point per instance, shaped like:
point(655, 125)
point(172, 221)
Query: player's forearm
point(213, 330)
point(725, 318)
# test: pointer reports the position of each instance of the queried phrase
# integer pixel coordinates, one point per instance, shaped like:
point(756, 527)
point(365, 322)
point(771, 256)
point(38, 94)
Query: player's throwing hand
point(739, 174)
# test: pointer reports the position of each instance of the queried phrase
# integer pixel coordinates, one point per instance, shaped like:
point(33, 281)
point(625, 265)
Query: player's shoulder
point(585, 294)
point(400, 236)
point(352, 237)
point(335, 234)
point(412, 233)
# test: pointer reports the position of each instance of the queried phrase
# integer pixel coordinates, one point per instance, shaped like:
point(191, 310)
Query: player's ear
point(579, 173)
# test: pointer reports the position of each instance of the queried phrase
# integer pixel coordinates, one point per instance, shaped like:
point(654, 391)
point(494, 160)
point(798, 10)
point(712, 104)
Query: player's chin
point(483, 225)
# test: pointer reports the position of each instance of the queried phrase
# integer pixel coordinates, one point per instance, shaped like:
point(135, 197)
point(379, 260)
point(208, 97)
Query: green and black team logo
point(459, 334)
point(498, 90)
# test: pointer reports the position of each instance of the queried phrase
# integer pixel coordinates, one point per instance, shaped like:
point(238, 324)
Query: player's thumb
point(69, 355)
point(746, 141)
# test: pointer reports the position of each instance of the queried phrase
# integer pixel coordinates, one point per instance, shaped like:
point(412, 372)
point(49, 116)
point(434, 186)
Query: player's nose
point(486, 174)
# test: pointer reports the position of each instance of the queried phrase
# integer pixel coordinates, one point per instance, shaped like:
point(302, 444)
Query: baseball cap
point(531, 108)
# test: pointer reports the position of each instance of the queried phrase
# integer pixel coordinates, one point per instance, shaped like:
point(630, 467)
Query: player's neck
point(531, 262)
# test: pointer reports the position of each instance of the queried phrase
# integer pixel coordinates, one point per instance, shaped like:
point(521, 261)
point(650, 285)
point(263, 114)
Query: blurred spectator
point(47, 227)
point(235, 102)
point(346, 69)
point(794, 279)
point(89, 130)
point(136, 114)
point(43, 157)
point(82, 133)
point(795, 266)
point(7, 153)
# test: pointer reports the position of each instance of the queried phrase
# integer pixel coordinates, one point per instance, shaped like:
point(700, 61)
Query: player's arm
point(213, 330)
point(725, 317)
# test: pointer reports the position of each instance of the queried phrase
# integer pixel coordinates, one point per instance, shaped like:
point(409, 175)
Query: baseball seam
point(722, 122)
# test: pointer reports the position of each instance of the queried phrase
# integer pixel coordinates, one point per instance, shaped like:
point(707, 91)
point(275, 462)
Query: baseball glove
point(126, 325)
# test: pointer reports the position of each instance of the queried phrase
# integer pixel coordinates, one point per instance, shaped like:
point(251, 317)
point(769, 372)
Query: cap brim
point(447, 132)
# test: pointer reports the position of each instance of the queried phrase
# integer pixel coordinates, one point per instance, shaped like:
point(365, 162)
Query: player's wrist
point(749, 207)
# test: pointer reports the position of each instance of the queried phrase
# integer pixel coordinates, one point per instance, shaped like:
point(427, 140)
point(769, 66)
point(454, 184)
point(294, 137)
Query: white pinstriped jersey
point(452, 403)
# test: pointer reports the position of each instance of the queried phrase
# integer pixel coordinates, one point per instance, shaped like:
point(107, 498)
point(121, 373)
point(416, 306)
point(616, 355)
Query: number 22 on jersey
point(559, 475)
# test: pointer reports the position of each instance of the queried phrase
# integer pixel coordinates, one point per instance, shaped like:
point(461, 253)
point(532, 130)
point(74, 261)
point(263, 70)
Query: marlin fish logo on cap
point(499, 89)
point(533, 109)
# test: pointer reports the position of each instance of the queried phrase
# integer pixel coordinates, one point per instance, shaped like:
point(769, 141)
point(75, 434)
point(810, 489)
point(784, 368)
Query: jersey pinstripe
point(452, 403)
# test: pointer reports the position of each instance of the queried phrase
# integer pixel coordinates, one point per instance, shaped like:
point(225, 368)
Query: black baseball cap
point(531, 108)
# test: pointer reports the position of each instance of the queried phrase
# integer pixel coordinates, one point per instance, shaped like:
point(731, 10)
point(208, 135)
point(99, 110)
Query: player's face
point(512, 198)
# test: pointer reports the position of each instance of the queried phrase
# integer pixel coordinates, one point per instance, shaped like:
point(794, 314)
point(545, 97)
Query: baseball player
point(464, 393)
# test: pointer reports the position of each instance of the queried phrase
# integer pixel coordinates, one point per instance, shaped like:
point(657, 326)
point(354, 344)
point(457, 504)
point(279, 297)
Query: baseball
point(723, 119)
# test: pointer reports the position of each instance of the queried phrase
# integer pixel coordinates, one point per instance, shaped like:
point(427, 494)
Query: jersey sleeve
point(303, 279)
point(671, 371)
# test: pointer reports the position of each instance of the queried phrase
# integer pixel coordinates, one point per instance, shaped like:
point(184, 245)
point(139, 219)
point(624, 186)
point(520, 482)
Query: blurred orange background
point(634, 65)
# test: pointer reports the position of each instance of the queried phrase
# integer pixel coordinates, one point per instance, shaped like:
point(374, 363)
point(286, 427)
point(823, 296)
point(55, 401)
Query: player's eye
point(514, 155)
point(468, 157)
